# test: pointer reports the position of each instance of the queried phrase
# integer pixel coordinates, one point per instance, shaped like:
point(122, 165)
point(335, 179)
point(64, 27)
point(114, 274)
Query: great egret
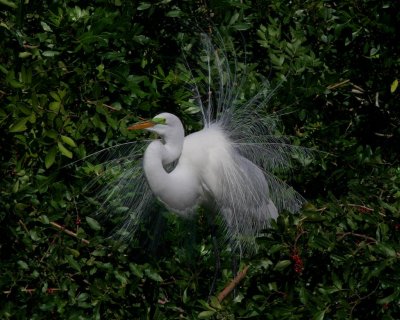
point(228, 166)
point(209, 171)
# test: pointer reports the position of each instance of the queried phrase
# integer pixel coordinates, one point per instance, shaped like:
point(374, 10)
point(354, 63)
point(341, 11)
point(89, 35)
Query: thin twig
point(23, 225)
point(69, 232)
point(28, 46)
point(32, 290)
point(336, 85)
point(233, 284)
point(301, 232)
point(359, 206)
point(383, 135)
point(344, 234)
point(362, 298)
point(103, 104)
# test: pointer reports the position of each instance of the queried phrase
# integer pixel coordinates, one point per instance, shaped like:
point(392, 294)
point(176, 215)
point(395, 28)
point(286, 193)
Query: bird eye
point(159, 120)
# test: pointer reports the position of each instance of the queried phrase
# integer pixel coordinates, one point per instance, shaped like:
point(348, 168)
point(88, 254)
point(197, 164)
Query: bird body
point(209, 171)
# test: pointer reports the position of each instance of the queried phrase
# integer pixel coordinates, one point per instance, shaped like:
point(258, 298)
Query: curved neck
point(172, 146)
point(159, 154)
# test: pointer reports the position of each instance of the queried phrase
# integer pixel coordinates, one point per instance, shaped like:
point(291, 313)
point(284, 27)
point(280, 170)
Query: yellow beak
point(142, 125)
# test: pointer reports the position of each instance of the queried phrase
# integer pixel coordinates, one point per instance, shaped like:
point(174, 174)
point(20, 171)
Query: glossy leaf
point(68, 141)
point(19, 126)
point(64, 151)
point(50, 157)
point(93, 223)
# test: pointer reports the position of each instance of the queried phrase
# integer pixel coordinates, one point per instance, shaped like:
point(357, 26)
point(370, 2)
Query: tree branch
point(233, 284)
point(69, 232)
point(103, 104)
point(344, 234)
point(339, 84)
point(32, 290)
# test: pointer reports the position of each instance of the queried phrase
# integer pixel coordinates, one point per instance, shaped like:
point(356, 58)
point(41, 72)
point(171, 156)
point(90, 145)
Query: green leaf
point(50, 53)
point(234, 18)
point(136, 271)
point(15, 84)
point(3, 69)
point(10, 4)
point(98, 123)
point(386, 249)
point(214, 302)
point(82, 297)
point(121, 278)
point(23, 265)
point(24, 54)
point(303, 295)
point(153, 275)
point(68, 141)
point(242, 26)
point(281, 265)
point(93, 223)
point(19, 126)
point(73, 263)
point(394, 86)
point(74, 252)
point(185, 298)
point(99, 252)
point(174, 13)
point(32, 118)
point(34, 235)
point(144, 6)
point(389, 298)
point(117, 106)
point(320, 315)
point(45, 26)
point(64, 151)
point(51, 133)
point(55, 96)
point(50, 157)
point(54, 106)
point(277, 61)
point(44, 219)
point(206, 314)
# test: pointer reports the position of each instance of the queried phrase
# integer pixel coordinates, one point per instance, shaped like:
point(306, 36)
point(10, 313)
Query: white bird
point(228, 166)
point(209, 171)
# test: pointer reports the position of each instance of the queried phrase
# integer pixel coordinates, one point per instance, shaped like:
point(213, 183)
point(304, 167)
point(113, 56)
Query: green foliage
point(75, 75)
point(347, 264)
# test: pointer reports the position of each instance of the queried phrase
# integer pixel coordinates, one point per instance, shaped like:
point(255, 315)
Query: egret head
point(163, 124)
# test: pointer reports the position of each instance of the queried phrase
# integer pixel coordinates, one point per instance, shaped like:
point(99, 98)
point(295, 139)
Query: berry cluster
point(298, 263)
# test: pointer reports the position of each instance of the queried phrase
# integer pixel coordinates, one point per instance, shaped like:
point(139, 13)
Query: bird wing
point(241, 196)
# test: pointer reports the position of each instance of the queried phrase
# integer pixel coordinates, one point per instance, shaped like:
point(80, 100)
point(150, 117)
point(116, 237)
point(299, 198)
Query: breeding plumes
point(228, 166)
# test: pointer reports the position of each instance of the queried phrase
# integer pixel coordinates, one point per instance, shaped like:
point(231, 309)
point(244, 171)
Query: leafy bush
point(74, 75)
